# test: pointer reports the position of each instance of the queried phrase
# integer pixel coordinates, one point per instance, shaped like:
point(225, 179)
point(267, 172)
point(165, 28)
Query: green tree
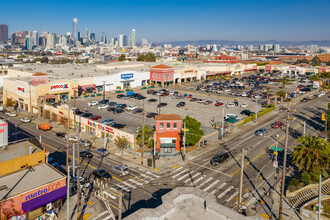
point(148, 137)
point(195, 133)
point(316, 60)
point(328, 63)
point(140, 58)
point(122, 57)
point(306, 178)
point(284, 81)
point(121, 142)
point(44, 60)
point(281, 94)
point(311, 154)
point(150, 57)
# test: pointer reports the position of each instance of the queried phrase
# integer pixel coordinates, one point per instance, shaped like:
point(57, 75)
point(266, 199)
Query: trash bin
point(149, 162)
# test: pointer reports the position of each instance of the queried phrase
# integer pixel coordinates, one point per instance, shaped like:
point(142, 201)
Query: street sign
point(275, 164)
point(276, 149)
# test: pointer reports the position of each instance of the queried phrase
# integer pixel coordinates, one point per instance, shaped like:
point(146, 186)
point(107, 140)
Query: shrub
point(314, 177)
point(325, 174)
point(10, 102)
point(118, 87)
point(294, 182)
point(305, 177)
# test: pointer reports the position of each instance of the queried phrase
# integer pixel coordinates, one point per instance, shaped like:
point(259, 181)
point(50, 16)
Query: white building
point(121, 40)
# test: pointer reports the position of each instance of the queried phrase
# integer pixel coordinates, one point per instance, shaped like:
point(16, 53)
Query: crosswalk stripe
point(203, 183)
point(101, 214)
point(218, 188)
point(192, 178)
point(225, 192)
point(141, 180)
point(110, 195)
point(184, 176)
point(129, 185)
point(252, 200)
point(146, 176)
point(152, 174)
point(136, 182)
point(232, 196)
point(211, 185)
point(123, 187)
point(178, 174)
point(199, 179)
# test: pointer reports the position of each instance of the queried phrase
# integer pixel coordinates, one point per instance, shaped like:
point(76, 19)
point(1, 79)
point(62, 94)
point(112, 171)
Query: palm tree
point(284, 81)
point(312, 153)
point(281, 94)
point(267, 94)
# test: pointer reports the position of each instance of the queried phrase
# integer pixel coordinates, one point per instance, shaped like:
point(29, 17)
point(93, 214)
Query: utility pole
point(154, 154)
point(304, 128)
point(184, 140)
point(74, 110)
point(256, 108)
point(68, 196)
point(31, 108)
point(73, 161)
point(78, 180)
point(223, 123)
point(103, 90)
point(67, 143)
point(241, 182)
point(284, 164)
point(142, 144)
point(319, 199)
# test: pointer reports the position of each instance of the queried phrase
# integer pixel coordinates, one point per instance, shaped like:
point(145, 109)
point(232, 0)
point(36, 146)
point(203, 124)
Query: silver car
point(121, 170)
point(85, 142)
point(261, 131)
point(101, 151)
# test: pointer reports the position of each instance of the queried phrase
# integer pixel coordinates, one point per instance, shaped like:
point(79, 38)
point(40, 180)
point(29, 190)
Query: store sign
point(59, 86)
point(21, 89)
point(100, 127)
point(316, 84)
point(43, 191)
point(127, 76)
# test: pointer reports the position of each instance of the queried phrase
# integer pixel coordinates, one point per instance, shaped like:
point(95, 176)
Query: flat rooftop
point(17, 150)
point(27, 180)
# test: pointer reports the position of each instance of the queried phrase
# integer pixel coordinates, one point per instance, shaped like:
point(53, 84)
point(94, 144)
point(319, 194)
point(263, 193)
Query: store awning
point(43, 199)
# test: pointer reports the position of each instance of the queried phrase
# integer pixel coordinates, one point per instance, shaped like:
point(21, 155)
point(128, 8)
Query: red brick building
point(162, 74)
point(168, 129)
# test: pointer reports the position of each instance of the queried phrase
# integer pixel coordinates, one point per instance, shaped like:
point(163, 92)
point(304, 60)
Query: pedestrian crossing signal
point(323, 116)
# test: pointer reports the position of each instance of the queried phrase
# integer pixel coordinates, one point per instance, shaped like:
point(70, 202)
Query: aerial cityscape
point(164, 110)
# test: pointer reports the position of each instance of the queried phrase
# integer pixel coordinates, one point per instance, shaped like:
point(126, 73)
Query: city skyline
point(172, 21)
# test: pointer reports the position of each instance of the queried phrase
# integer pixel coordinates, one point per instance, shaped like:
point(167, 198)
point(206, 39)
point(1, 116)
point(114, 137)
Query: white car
point(227, 90)
point(11, 114)
point(103, 106)
point(230, 105)
point(244, 105)
point(243, 94)
point(73, 139)
point(322, 93)
point(256, 96)
point(131, 107)
point(92, 103)
point(25, 119)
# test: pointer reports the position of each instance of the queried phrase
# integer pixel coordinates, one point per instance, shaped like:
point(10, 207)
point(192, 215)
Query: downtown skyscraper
point(133, 41)
point(3, 33)
point(75, 30)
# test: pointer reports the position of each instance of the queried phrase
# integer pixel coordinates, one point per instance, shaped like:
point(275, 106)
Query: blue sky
point(175, 20)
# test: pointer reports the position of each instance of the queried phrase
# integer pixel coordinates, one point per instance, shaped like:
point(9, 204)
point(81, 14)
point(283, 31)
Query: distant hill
point(325, 43)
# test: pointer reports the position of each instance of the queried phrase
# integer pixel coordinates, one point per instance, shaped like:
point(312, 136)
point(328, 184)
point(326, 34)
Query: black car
point(121, 106)
point(111, 108)
point(150, 91)
point(119, 96)
point(112, 103)
point(85, 154)
point(104, 101)
point(246, 112)
point(162, 104)
point(86, 115)
point(61, 134)
point(118, 110)
point(117, 125)
point(137, 110)
point(78, 112)
point(101, 173)
point(152, 100)
point(139, 97)
point(304, 100)
point(180, 104)
point(136, 94)
point(151, 115)
point(219, 158)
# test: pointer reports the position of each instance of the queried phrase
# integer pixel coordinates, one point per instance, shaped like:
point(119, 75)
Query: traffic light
point(323, 116)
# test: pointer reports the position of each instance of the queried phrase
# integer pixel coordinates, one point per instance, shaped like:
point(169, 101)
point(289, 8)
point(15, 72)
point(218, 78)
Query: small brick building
point(168, 129)
point(162, 74)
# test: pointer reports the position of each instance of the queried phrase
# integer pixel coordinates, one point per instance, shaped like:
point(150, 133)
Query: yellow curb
point(114, 194)
point(114, 207)
point(90, 202)
point(265, 216)
point(175, 167)
point(86, 216)
point(156, 169)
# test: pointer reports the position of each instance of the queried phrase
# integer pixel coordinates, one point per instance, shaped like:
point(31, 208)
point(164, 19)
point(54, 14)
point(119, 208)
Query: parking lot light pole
point(184, 140)
point(222, 124)
point(256, 108)
point(154, 154)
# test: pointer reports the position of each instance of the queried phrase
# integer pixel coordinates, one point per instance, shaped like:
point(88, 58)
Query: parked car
point(117, 125)
point(104, 101)
point(219, 158)
point(322, 93)
point(25, 119)
point(180, 104)
point(277, 124)
point(243, 94)
point(151, 115)
point(108, 121)
point(230, 105)
point(111, 108)
point(126, 97)
point(139, 97)
point(162, 104)
point(103, 106)
point(11, 114)
point(85, 154)
point(61, 134)
point(95, 117)
point(112, 103)
point(149, 91)
point(101, 151)
point(246, 112)
point(44, 127)
point(121, 106)
point(86, 115)
point(261, 132)
point(78, 112)
point(118, 110)
point(131, 107)
point(189, 96)
point(244, 105)
point(207, 102)
point(201, 100)
point(304, 100)
point(119, 96)
point(102, 174)
point(193, 99)
point(218, 104)
point(152, 100)
point(51, 161)
point(121, 170)
point(73, 138)
point(137, 110)
point(92, 103)
point(85, 142)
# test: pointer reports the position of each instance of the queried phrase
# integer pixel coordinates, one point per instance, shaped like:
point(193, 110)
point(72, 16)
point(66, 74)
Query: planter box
point(98, 94)
point(92, 95)
point(86, 96)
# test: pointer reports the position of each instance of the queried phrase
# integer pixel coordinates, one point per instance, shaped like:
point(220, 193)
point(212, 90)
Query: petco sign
point(20, 89)
point(59, 86)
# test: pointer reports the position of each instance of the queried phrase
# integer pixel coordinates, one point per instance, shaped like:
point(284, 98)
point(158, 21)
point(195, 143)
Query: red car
point(218, 104)
point(95, 117)
point(277, 124)
point(189, 96)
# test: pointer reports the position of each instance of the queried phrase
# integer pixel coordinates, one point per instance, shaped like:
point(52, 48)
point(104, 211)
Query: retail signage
point(59, 86)
point(45, 190)
point(316, 84)
point(21, 89)
point(100, 127)
point(127, 76)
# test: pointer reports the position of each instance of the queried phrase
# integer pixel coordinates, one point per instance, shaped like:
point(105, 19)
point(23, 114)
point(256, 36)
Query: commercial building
point(167, 134)
point(3, 33)
point(162, 74)
point(75, 29)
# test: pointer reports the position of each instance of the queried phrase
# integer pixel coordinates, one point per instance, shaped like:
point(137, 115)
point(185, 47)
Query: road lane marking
point(192, 178)
point(211, 185)
point(225, 192)
point(203, 183)
point(129, 185)
point(218, 188)
point(136, 182)
point(122, 187)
